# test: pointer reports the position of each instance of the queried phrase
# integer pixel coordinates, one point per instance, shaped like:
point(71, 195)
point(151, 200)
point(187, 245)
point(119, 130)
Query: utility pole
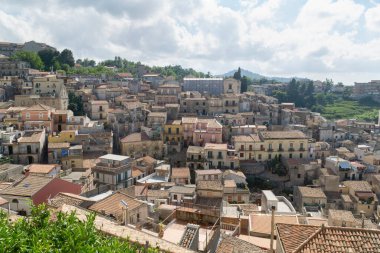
point(272, 230)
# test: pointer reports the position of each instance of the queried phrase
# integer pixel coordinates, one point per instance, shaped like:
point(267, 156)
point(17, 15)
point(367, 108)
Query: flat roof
point(114, 157)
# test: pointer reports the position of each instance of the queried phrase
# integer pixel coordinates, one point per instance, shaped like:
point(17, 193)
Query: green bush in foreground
point(64, 233)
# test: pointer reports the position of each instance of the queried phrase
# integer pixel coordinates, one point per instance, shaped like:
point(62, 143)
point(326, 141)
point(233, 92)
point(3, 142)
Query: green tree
point(43, 232)
point(75, 104)
point(47, 56)
point(245, 82)
point(66, 57)
point(328, 84)
point(31, 57)
point(237, 74)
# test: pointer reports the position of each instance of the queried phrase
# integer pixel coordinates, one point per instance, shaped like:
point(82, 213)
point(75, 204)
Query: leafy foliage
point(237, 74)
point(276, 166)
point(86, 62)
point(66, 57)
point(75, 104)
point(176, 71)
point(49, 57)
point(65, 233)
point(31, 57)
point(346, 109)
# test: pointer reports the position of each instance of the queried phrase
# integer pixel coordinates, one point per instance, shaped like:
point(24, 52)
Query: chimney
point(272, 230)
point(362, 216)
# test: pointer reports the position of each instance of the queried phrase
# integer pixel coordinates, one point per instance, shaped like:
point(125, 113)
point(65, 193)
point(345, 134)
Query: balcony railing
point(302, 149)
point(291, 149)
point(219, 157)
point(270, 149)
point(280, 149)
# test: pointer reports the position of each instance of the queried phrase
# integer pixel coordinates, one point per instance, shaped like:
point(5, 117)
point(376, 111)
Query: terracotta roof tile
point(136, 137)
point(41, 168)
point(210, 185)
point(283, 135)
point(111, 204)
point(311, 192)
point(231, 244)
point(183, 172)
point(28, 186)
point(291, 236)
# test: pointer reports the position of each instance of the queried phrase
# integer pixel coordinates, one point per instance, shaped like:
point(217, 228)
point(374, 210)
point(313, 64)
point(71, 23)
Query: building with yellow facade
point(64, 136)
point(173, 132)
point(267, 145)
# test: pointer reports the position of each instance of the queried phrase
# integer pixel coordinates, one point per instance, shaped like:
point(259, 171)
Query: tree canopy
point(48, 56)
point(66, 57)
point(62, 233)
point(31, 57)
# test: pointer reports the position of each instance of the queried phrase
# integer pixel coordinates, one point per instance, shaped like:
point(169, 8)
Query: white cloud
point(320, 38)
point(372, 18)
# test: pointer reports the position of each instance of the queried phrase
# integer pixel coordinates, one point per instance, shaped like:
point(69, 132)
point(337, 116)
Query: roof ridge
point(331, 228)
point(302, 245)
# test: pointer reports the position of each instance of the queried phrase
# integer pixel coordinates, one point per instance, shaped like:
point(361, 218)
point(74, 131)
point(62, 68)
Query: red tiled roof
point(313, 239)
point(136, 137)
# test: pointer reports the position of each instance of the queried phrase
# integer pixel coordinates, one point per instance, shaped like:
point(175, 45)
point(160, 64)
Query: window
point(270, 156)
point(175, 197)
point(259, 156)
point(169, 130)
point(290, 155)
point(177, 130)
point(27, 115)
point(242, 147)
point(241, 154)
point(250, 147)
point(230, 86)
point(298, 175)
point(301, 155)
point(40, 116)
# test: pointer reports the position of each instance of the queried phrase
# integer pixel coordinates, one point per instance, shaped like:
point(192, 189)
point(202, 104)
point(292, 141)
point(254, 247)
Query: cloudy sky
point(319, 39)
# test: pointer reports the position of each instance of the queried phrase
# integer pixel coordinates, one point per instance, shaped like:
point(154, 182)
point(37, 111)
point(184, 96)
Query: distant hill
point(256, 76)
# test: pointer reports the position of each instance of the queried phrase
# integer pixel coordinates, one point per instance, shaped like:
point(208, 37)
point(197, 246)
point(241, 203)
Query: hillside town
point(188, 165)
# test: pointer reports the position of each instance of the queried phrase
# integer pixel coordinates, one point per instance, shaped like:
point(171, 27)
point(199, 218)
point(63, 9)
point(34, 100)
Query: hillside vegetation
point(62, 233)
point(349, 109)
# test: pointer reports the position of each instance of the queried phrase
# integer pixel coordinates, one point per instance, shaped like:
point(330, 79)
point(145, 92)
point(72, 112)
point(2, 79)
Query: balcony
point(280, 150)
point(291, 149)
point(219, 157)
point(210, 157)
point(270, 149)
point(302, 149)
